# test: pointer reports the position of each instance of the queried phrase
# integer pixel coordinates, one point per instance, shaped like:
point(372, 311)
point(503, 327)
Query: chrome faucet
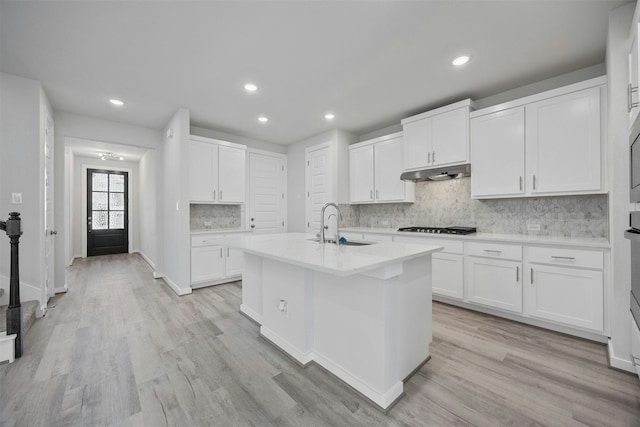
point(321, 236)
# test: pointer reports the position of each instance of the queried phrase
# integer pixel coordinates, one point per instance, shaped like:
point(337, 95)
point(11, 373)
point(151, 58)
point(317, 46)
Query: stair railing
point(13, 228)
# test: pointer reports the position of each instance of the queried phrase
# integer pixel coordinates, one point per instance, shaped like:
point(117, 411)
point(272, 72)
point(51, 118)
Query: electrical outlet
point(533, 227)
point(16, 198)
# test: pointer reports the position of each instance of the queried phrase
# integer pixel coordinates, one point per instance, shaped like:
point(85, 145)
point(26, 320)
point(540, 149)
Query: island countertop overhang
point(299, 249)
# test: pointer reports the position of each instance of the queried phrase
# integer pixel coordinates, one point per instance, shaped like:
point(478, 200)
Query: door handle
point(214, 194)
point(53, 232)
point(520, 183)
point(532, 276)
point(371, 194)
point(220, 194)
point(517, 273)
point(630, 91)
point(433, 156)
point(253, 226)
point(377, 194)
point(429, 157)
point(220, 252)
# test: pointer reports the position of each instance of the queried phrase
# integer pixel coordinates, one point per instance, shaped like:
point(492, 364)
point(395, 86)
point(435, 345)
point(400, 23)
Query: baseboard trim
point(61, 290)
point(175, 288)
point(617, 362)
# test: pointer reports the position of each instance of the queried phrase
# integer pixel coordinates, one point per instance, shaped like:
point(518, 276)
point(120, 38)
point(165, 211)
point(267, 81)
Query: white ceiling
point(370, 62)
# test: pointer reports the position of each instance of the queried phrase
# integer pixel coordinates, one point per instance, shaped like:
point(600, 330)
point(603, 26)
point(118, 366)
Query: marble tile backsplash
point(447, 203)
point(220, 216)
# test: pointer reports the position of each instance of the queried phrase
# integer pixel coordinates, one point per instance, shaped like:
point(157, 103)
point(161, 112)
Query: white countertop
point(220, 231)
point(299, 249)
point(592, 242)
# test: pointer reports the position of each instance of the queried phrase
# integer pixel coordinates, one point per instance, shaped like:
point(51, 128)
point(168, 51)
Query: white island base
point(371, 329)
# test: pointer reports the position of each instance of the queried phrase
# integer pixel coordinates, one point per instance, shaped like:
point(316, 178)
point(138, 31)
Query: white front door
point(267, 209)
point(318, 185)
point(49, 242)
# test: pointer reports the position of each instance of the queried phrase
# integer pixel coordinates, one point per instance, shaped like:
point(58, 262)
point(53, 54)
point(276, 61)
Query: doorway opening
point(107, 212)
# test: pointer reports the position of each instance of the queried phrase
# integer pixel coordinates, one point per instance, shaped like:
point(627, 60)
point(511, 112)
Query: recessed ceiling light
point(116, 102)
point(263, 119)
point(460, 60)
point(250, 87)
point(329, 116)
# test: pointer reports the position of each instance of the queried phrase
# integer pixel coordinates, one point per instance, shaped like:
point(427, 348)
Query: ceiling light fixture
point(109, 156)
point(263, 119)
point(116, 102)
point(460, 60)
point(250, 87)
point(329, 116)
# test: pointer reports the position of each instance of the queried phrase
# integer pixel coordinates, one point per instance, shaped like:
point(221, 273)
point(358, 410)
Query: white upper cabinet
point(633, 100)
point(437, 138)
point(563, 143)
point(216, 171)
point(375, 167)
point(543, 145)
point(495, 137)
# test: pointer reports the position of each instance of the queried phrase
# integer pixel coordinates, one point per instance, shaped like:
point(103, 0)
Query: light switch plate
point(16, 198)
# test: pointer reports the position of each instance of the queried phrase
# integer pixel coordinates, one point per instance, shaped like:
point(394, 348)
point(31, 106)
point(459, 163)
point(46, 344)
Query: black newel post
point(14, 311)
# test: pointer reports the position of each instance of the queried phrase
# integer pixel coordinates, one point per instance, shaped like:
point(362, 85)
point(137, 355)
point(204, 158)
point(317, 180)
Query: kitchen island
point(361, 312)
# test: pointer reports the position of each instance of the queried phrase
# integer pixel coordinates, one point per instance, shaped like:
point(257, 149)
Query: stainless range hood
point(438, 174)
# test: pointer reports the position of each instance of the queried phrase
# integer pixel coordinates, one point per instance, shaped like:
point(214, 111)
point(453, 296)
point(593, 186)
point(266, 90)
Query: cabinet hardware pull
point(227, 252)
point(220, 194)
point(214, 194)
point(532, 276)
point(371, 194)
point(630, 91)
point(520, 183)
point(534, 182)
point(220, 252)
point(429, 157)
point(517, 273)
point(433, 157)
point(563, 257)
point(492, 252)
point(377, 194)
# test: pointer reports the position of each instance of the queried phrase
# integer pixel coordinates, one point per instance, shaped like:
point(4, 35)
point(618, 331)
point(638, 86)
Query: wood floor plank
point(120, 348)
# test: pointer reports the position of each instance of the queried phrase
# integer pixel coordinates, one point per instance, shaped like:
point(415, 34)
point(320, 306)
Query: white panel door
point(450, 139)
point(495, 283)
point(361, 173)
point(497, 154)
point(207, 263)
point(231, 168)
point(563, 143)
point(202, 160)
point(318, 185)
point(448, 275)
point(417, 143)
point(388, 168)
point(233, 262)
point(49, 232)
point(267, 208)
point(568, 295)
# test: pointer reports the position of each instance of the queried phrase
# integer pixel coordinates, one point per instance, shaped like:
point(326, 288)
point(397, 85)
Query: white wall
point(147, 226)
point(619, 206)
point(22, 105)
point(176, 261)
point(79, 187)
point(69, 125)
point(249, 142)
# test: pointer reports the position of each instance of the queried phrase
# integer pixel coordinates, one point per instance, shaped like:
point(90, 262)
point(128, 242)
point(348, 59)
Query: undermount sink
point(347, 243)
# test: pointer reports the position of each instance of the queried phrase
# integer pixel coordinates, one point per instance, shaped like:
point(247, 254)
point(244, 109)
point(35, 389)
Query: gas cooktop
point(440, 230)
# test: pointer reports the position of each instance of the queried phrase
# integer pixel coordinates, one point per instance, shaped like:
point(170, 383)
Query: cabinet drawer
point(206, 240)
point(495, 250)
point(450, 246)
point(567, 257)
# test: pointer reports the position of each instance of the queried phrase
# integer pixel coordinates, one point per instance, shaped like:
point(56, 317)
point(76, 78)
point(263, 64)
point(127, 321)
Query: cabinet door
point(231, 171)
point(234, 261)
point(202, 183)
point(207, 263)
point(417, 143)
point(450, 137)
point(634, 78)
point(497, 154)
point(567, 295)
point(495, 283)
point(448, 275)
point(563, 143)
point(361, 174)
point(388, 168)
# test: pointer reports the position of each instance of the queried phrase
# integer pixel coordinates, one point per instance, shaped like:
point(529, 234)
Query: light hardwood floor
point(120, 348)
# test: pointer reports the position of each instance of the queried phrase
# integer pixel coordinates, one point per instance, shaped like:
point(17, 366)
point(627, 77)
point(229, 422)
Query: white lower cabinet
point(561, 291)
point(448, 275)
point(495, 283)
point(212, 263)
